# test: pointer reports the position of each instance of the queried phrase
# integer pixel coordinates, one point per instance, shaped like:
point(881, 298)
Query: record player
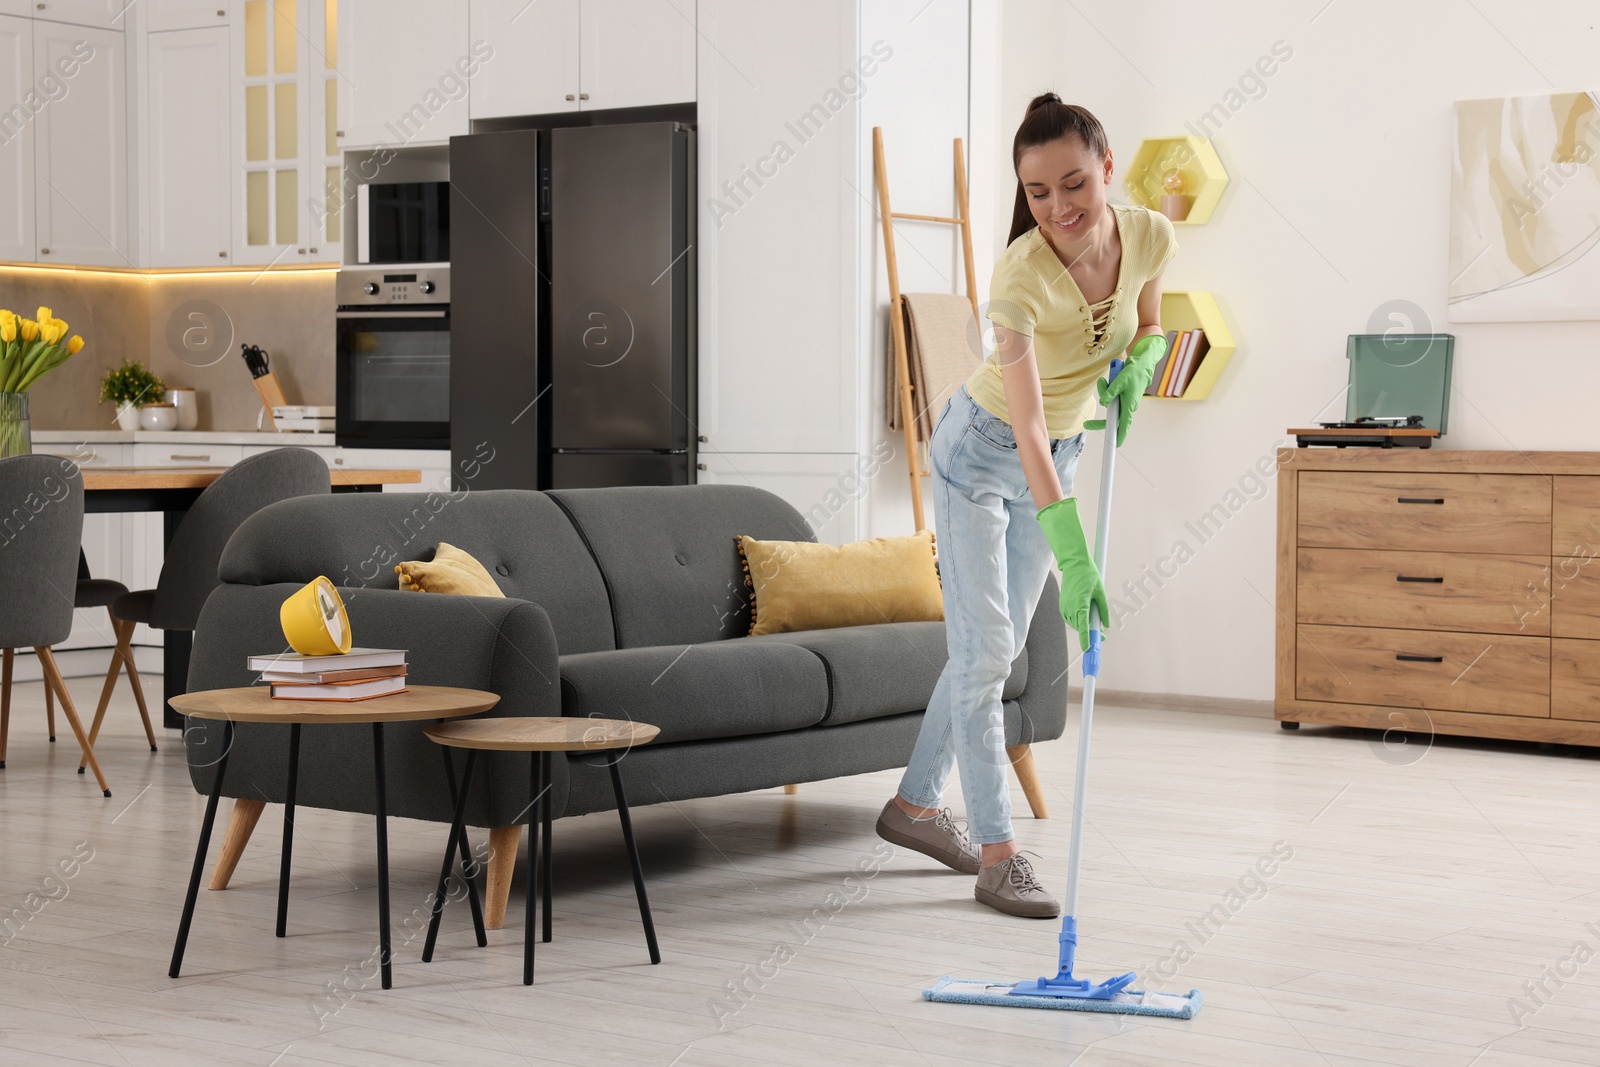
point(1399, 394)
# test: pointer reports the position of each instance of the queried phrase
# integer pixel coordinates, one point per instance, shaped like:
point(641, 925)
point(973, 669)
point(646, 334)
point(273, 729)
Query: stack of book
point(360, 674)
point(1185, 350)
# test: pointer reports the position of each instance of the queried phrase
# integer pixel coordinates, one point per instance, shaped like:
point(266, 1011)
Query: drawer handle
point(1404, 658)
point(1420, 499)
point(1417, 578)
point(176, 456)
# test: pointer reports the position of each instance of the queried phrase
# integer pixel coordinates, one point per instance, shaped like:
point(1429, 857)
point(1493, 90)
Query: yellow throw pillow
point(452, 571)
point(802, 585)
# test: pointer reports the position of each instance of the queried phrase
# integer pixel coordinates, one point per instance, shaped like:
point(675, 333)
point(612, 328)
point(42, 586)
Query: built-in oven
point(393, 357)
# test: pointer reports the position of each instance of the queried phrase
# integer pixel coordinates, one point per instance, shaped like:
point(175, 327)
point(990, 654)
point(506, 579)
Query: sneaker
point(937, 836)
point(1011, 887)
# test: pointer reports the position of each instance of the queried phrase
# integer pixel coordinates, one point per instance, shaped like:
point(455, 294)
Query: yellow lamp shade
point(314, 620)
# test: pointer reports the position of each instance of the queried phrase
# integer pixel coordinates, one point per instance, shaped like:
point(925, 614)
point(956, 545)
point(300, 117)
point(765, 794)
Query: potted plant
point(29, 348)
point(130, 387)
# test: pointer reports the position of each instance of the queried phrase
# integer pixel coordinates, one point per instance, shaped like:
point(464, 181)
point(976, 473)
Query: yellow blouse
point(1073, 340)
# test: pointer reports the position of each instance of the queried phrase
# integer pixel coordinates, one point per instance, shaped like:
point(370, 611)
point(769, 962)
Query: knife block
point(271, 395)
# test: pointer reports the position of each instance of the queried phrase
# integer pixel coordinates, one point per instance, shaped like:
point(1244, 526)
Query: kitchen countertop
point(178, 437)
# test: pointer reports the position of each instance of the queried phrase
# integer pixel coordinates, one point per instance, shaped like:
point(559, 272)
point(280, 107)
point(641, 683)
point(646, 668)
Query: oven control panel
point(392, 285)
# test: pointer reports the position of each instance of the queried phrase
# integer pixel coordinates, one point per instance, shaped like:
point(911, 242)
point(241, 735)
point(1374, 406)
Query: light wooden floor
point(1421, 894)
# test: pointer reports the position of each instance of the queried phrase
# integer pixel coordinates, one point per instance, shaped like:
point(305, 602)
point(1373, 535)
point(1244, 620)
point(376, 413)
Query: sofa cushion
point(355, 539)
point(668, 555)
point(801, 585)
point(698, 691)
point(886, 669)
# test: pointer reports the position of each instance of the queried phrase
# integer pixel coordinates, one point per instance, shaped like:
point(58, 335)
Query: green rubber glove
point(1130, 383)
point(1081, 584)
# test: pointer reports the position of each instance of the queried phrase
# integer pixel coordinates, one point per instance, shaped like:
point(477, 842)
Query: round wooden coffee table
point(255, 704)
point(540, 736)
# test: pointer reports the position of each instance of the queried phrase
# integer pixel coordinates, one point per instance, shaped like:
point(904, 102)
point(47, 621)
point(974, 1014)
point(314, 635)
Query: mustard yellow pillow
point(452, 571)
point(802, 585)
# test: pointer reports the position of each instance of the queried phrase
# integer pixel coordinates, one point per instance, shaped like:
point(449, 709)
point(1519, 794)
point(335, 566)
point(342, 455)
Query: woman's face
point(1065, 183)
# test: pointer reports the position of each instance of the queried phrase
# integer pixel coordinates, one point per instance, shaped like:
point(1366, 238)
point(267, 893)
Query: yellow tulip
point(74, 345)
point(8, 316)
point(45, 315)
point(8, 330)
point(29, 330)
point(61, 325)
point(51, 331)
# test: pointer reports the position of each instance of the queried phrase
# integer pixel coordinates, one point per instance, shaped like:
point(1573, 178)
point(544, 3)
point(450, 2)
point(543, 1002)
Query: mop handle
point(1091, 671)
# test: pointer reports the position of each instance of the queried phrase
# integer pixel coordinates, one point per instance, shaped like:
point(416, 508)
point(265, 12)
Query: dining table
point(172, 491)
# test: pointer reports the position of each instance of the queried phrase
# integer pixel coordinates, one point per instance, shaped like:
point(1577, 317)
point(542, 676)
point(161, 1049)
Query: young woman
point(1079, 283)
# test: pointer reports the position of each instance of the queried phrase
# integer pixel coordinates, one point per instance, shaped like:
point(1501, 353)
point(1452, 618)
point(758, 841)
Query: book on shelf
point(1154, 388)
point(327, 677)
point(1174, 355)
point(1198, 346)
point(1178, 359)
point(358, 689)
point(355, 659)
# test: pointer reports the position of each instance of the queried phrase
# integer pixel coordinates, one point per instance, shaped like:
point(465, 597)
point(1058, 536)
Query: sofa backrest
point(355, 539)
point(668, 555)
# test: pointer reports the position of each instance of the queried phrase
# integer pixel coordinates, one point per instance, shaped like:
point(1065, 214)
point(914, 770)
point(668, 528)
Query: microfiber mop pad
point(1133, 1002)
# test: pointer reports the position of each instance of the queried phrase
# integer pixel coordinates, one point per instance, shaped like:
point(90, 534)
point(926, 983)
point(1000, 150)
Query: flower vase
point(128, 417)
point(15, 438)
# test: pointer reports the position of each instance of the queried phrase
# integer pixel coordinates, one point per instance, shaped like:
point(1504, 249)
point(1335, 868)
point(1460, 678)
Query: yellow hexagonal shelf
point(1195, 310)
point(1193, 157)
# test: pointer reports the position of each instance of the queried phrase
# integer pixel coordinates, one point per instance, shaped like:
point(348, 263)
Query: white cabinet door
point(107, 14)
point(404, 71)
point(191, 173)
point(81, 142)
point(637, 52)
point(779, 363)
point(18, 99)
point(185, 14)
point(155, 454)
point(826, 489)
point(530, 66)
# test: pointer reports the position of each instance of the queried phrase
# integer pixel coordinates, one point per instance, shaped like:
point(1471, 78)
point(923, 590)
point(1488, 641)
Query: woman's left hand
point(1129, 384)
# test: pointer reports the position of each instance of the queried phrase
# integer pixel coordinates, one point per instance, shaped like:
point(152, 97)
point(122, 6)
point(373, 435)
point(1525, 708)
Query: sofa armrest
point(505, 646)
point(1044, 699)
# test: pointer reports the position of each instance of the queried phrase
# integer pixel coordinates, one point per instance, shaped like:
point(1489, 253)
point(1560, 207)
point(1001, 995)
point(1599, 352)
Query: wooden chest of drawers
point(1439, 590)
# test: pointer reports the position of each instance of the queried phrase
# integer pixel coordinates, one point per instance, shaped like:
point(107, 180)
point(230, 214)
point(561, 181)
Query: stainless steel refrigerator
point(572, 328)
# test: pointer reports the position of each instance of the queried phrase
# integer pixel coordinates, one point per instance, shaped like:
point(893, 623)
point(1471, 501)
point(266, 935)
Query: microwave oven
point(403, 222)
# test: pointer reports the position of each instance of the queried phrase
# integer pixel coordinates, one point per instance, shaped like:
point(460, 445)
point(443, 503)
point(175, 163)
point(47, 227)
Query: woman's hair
point(1048, 119)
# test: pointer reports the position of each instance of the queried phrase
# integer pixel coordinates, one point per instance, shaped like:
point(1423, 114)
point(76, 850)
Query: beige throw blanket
point(942, 349)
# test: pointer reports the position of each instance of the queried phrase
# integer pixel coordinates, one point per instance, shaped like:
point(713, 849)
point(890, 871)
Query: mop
point(1064, 992)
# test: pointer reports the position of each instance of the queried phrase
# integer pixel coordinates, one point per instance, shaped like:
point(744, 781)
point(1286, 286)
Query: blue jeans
point(993, 560)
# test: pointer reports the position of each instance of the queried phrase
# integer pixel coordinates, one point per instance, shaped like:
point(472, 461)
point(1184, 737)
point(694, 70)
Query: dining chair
point(41, 527)
point(189, 573)
point(101, 593)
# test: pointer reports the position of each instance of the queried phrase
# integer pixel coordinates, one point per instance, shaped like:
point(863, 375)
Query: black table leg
point(450, 853)
point(200, 853)
point(633, 858)
point(467, 863)
point(384, 956)
point(546, 869)
point(288, 829)
point(536, 782)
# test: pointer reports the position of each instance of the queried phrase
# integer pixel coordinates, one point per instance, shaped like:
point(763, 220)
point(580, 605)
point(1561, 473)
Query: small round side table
point(540, 736)
point(255, 704)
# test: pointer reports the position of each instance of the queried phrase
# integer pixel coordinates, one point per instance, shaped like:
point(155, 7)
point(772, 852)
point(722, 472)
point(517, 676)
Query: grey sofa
point(625, 602)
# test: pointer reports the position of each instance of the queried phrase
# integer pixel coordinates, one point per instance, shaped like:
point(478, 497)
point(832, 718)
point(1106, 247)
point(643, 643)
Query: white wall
point(1338, 204)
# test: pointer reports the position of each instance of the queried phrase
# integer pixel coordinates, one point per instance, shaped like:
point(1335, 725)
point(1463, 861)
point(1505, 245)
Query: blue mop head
point(1132, 1002)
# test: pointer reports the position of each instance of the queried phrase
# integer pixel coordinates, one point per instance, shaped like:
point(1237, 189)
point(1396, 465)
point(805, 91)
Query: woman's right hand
point(1081, 583)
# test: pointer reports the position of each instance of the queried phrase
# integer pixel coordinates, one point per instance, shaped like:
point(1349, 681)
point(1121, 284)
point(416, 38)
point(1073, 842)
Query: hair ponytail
point(1048, 119)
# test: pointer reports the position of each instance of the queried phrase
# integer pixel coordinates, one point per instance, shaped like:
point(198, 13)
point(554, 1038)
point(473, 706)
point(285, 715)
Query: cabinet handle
point(1413, 578)
point(1403, 657)
point(222, 14)
point(224, 255)
point(339, 134)
point(302, 252)
point(583, 96)
point(338, 461)
point(176, 456)
point(704, 439)
point(44, 251)
point(313, 251)
point(701, 466)
point(1420, 499)
point(569, 96)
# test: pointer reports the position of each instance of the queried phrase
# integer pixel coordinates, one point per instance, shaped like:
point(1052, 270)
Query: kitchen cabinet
point(105, 14)
point(186, 15)
point(81, 150)
point(284, 75)
point(581, 55)
point(190, 162)
point(405, 71)
point(186, 455)
point(16, 139)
